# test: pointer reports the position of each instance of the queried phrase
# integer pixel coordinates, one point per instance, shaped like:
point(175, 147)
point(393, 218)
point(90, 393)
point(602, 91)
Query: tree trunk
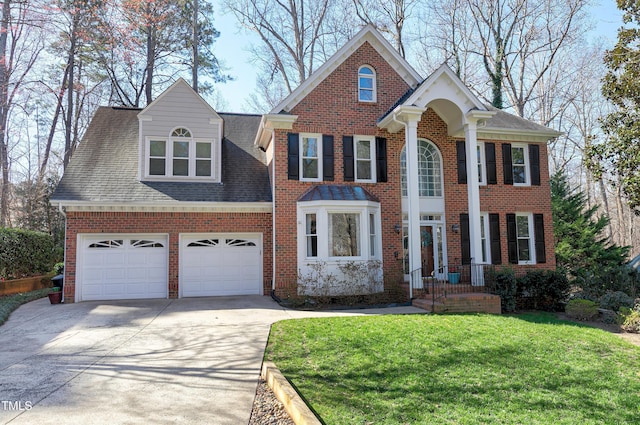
point(4, 113)
point(194, 70)
point(70, 83)
point(151, 47)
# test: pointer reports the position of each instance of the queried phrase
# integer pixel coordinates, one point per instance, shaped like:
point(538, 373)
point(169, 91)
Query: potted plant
point(55, 296)
point(453, 275)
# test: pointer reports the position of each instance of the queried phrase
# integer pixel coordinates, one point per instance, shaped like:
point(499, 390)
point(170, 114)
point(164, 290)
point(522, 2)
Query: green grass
point(459, 369)
point(10, 302)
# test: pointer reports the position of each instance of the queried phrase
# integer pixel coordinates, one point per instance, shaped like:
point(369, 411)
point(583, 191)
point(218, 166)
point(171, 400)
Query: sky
point(233, 44)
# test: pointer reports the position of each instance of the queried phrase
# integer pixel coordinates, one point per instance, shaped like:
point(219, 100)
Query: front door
point(427, 250)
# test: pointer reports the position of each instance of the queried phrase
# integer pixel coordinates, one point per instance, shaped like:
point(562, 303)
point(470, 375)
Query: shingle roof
point(104, 167)
point(337, 193)
point(506, 121)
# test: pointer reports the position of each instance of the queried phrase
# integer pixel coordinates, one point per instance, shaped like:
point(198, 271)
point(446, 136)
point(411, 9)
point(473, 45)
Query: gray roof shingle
point(104, 167)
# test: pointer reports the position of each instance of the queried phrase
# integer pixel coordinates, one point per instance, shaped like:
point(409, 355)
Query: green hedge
point(25, 253)
point(533, 289)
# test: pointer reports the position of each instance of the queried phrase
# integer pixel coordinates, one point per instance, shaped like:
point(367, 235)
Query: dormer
point(180, 138)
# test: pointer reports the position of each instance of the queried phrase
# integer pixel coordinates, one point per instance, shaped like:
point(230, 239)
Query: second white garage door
point(216, 264)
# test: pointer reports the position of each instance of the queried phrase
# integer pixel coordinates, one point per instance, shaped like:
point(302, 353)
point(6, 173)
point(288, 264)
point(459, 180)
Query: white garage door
point(113, 267)
point(212, 265)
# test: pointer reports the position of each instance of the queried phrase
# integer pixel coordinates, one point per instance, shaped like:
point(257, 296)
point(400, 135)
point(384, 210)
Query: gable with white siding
point(180, 107)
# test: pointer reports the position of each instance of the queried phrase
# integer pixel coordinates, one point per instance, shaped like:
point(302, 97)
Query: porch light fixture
point(397, 228)
point(455, 228)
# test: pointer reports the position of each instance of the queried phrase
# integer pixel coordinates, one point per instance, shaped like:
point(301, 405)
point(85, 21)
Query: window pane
point(366, 70)
point(203, 167)
point(363, 149)
point(372, 234)
point(310, 168)
point(366, 83)
point(310, 147)
point(522, 224)
point(344, 230)
point(180, 167)
point(157, 148)
point(156, 167)
point(517, 155)
point(523, 250)
point(519, 174)
point(312, 238)
point(366, 94)
point(181, 149)
point(203, 150)
point(180, 132)
point(364, 170)
point(480, 171)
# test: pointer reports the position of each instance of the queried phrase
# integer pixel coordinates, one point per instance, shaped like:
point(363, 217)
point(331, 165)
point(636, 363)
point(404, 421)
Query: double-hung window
point(482, 167)
point(484, 238)
point(310, 155)
point(524, 236)
point(366, 84)
point(311, 235)
point(364, 157)
point(180, 156)
point(520, 164)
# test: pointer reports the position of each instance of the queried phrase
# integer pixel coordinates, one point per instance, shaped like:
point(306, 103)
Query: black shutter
point(381, 159)
point(347, 155)
point(465, 239)
point(494, 239)
point(534, 161)
point(512, 239)
point(490, 159)
point(538, 226)
point(327, 158)
point(507, 163)
point(462, 162)
point(293, 149)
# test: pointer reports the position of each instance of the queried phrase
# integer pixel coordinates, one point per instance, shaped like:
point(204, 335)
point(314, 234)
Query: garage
point(220, 264)
point(120, 266)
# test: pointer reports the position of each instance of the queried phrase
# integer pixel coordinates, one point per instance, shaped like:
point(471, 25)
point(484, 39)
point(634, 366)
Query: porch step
point(461, 303)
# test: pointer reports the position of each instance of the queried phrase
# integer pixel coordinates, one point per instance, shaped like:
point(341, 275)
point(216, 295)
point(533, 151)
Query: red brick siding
point(173, 224)
point(332, 108)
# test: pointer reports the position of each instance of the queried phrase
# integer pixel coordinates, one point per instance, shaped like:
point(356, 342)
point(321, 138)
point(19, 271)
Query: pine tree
point(580, 244)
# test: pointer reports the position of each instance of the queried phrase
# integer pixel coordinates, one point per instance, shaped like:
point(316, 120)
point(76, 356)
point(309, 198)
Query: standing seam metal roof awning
point(337, 193)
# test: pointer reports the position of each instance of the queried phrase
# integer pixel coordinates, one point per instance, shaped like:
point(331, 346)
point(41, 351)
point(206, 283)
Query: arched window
point(366, 84)
point(429, 170)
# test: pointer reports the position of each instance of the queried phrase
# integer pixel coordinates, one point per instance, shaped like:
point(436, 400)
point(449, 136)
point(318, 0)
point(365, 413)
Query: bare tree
point(20, 46)
point(291, 32)
point(387, 17)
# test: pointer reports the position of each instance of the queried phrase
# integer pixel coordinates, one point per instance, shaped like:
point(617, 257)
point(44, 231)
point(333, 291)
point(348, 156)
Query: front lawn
point(458, 369)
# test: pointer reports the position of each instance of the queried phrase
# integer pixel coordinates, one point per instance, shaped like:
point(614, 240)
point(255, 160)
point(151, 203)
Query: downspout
point(64, 255)
point(406, 129)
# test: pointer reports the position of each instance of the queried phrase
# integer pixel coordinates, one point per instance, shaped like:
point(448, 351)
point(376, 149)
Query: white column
point(413, 200)
point(473, 189)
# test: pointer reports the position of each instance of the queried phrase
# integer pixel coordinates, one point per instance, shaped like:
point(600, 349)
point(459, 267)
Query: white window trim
point(527, 166)
point(482, 177)
point(440, 164)
point(372, 157)
point(532, 244)
point(484, 217)
point(374, 84)
point(168, 176)
point(322, 209)
point(318, 137)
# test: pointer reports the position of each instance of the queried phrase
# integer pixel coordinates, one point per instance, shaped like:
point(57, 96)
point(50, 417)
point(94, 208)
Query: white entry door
point(122, 266)
point(220, 264)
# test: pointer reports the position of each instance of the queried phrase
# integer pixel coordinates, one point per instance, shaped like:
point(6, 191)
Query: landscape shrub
point(629, 319)
point(615, 300)
point(543, 289)
point(582, 309)
point(25, 253)
point(608, 278)
point(504, 284)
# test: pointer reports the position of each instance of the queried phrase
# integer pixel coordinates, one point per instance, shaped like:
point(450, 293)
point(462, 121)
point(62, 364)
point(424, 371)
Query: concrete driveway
point(191, 361)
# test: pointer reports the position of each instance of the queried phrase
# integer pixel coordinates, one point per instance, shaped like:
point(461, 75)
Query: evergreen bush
point(25, 253)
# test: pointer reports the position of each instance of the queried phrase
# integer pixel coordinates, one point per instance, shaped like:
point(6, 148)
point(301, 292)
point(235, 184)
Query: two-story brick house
point(366, 170)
